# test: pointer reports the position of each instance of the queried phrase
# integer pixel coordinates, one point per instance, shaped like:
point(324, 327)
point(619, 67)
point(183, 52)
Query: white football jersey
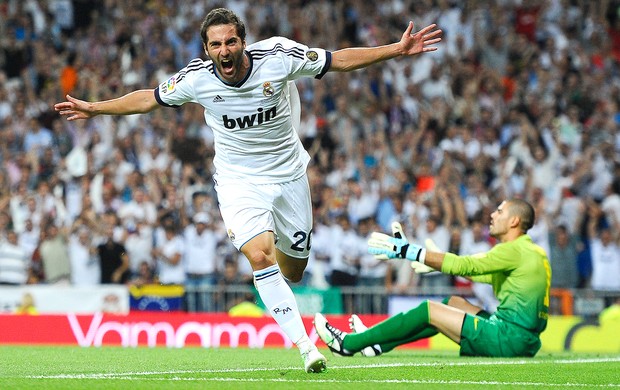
point(254, 120)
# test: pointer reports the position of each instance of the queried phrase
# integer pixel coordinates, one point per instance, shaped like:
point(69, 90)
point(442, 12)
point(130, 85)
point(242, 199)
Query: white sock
point(280, 301)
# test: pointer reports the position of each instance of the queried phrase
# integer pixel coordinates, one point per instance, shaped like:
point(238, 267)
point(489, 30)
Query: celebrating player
point(517, 269)
point(252, 105)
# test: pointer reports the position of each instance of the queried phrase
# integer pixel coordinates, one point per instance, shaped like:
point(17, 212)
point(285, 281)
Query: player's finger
point(427, 29)
point(379, 236)
point(431, 246)
point(380, 245)
point(409, 28)
point(397, 230)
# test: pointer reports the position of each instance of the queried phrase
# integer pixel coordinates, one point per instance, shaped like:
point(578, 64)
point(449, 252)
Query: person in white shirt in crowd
point(29, 237)
point(26, 208)
point(611, 202)
point(604, 250)
point(14, 261)
point(85, 267)
point(168, 254)
point(202, 263)
point(139, 244)
point(540, 231)
point(140, 208)
point(155, 159)
point(363, 202)
point(344, 254)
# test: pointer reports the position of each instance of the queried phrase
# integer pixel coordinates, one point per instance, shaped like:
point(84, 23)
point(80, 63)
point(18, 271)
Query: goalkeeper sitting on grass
point(517, 268)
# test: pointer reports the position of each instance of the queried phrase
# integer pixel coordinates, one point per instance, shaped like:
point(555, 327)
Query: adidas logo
point(218, 99)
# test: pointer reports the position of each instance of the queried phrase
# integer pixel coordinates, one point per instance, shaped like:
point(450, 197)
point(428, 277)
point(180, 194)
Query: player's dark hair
point(219, 16)
point(524, 211)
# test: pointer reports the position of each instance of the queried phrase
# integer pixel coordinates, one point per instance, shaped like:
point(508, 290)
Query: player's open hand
point(422, 41)
point(74, 109)
point(385, 247)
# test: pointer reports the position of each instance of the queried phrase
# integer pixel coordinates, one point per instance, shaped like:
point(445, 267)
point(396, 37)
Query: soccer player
point(517, 269)
point(252, 106)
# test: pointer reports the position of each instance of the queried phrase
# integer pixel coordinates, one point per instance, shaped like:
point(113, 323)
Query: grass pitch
point(23, 367)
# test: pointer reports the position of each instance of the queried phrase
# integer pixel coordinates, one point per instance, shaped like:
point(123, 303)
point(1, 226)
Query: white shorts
point(285, 209)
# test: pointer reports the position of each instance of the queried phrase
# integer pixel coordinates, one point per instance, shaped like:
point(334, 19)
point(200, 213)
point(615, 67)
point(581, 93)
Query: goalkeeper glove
point(385, 247)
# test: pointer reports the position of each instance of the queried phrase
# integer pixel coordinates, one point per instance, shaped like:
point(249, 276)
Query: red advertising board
point(157, 329)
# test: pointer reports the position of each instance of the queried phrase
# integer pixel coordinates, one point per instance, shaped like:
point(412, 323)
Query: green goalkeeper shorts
point(493, 337)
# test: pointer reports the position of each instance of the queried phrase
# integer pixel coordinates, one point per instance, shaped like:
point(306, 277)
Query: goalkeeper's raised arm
point(396, 246)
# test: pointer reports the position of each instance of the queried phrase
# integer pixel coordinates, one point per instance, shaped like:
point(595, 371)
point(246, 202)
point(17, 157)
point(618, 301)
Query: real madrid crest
point(268, 90)
point(312, 55)
point(231, 235)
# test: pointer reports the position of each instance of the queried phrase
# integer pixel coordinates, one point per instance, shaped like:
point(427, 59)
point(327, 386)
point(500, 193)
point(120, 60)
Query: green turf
point(162, 368)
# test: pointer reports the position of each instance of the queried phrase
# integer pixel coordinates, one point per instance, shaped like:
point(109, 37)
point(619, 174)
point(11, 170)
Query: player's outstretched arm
point(137, 102)
point(348, 59)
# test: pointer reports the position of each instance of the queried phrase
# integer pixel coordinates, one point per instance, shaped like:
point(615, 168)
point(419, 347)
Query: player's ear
point(515, 221)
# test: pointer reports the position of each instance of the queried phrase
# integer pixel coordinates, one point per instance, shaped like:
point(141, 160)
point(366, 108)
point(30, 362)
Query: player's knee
point(454, 301)
point(292, 276)
point(259, 259)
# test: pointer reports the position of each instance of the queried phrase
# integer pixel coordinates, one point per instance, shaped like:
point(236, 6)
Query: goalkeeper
point(517, 269)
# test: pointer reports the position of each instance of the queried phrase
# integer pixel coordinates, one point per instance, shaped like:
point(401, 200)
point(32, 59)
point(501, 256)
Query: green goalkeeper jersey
point(520, 274)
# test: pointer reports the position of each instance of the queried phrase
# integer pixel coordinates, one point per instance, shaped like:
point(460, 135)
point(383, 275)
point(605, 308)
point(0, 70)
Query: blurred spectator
point(140, 208)
point(37, 138)
point(345, 253)
point(372, 271)
point(168, 254)
point(85, 267)
point(247, 307)
point(14, 261)
point(29, 238)
point(139, 243)
point(202, 264)
point(435, 229)
point(604, 249)
point(113, 259)
point(54, 252)
point(563, 251)
point(143, 276)
point(27, 305)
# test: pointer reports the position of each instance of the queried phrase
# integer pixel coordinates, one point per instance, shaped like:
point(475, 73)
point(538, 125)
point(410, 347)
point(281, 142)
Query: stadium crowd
point(522, 99)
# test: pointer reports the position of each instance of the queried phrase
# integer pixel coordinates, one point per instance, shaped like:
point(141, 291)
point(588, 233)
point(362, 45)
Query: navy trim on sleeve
point(161, 102)
point(328, 64)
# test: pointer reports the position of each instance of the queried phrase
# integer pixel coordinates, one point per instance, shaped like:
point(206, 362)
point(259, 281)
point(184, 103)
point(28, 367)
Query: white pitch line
point(133, 375)
point(343, 381)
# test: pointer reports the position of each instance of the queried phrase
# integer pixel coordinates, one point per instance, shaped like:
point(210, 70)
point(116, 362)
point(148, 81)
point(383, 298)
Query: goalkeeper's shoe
point(331, 336)
point(357, 326)
point(314, 361)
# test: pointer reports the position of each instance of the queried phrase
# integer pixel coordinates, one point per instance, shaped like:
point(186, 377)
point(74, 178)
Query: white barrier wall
point(66, 299)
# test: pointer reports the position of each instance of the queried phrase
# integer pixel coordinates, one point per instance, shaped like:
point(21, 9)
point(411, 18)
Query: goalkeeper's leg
point(404, 328)
point(399, 329)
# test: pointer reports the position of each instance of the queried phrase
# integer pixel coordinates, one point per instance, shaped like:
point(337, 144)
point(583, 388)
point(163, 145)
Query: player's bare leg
point(447, 319)
point(278, 297)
